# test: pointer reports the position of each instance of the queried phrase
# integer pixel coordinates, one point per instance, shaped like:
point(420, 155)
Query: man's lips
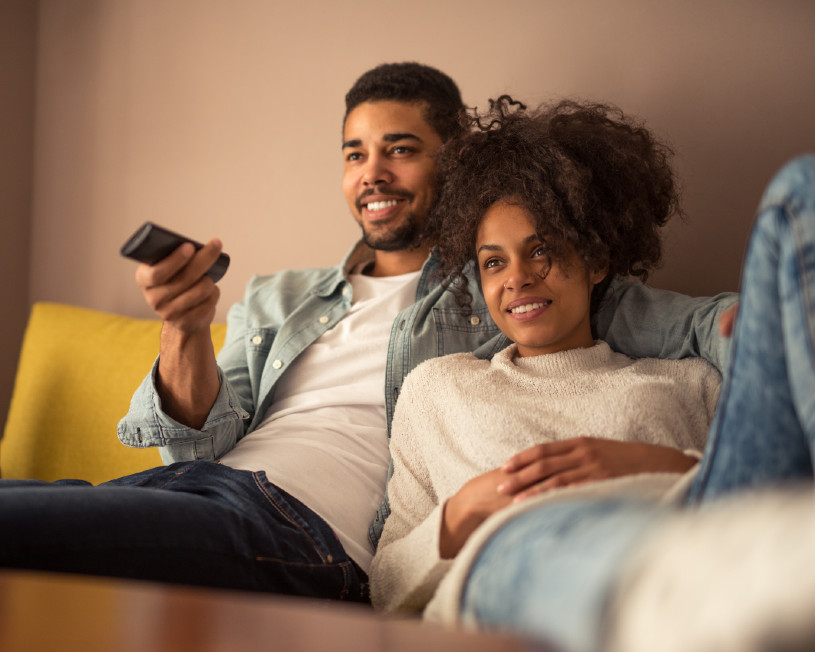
point(377, 200)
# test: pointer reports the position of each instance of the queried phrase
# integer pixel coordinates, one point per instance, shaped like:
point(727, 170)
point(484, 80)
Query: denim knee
point(793, 186)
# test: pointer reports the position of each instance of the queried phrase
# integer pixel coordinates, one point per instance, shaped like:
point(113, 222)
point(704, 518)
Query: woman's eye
point(539, 251)
point(492, 262)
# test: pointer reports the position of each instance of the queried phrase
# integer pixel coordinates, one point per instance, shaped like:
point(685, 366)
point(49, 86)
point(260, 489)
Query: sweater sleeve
point(407, 567)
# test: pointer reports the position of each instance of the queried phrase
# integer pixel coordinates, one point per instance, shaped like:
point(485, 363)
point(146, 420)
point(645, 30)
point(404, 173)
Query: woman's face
point(541, 315)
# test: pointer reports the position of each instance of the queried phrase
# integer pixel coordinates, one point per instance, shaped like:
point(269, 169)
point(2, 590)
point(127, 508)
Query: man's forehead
point(386, 121)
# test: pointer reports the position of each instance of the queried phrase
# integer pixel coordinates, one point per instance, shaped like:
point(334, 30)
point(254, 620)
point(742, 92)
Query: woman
point(552, 206)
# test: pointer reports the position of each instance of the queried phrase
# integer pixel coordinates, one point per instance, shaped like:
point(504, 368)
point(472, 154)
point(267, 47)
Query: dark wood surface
point(64, 613)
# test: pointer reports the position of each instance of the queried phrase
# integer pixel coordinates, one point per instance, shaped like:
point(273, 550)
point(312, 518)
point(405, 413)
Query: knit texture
point(459, 417)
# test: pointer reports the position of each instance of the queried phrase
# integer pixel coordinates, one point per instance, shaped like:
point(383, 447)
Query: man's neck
point(395, 263)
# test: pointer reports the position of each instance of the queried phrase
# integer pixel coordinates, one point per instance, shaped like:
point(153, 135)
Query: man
point(277, 451)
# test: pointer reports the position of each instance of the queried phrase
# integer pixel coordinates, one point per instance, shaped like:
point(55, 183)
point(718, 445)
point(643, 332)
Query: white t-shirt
point(324, 438)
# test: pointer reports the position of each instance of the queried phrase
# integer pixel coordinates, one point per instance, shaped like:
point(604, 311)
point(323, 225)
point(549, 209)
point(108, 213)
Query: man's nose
point(376, 171)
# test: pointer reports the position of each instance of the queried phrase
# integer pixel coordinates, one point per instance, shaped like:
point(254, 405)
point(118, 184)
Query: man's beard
point(407, 235)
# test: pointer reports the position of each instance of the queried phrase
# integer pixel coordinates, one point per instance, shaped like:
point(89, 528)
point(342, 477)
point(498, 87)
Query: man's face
point(389, 152)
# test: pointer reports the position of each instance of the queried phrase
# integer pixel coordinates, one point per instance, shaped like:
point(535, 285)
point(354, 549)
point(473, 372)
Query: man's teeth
point(527, 307)
point(381, 205)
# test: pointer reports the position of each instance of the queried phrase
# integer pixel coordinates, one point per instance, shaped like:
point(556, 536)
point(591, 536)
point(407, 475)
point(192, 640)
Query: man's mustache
point(382, 190)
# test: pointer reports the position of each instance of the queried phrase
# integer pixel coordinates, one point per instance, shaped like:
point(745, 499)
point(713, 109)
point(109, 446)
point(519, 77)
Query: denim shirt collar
point(361, 253)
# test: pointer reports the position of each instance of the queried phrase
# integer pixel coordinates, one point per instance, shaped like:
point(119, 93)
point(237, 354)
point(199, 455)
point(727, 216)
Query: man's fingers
point(728, 320)
point(149, 276)
point(184, 266)
point(183, 310)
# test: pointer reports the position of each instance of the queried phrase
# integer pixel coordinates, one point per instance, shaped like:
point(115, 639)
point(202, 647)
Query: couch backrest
point(78, 369)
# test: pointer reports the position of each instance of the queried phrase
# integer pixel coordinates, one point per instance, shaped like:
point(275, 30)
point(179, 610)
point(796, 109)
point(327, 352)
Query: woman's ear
point(598, 275)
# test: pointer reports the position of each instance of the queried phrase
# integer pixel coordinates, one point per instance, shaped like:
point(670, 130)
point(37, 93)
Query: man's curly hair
point(593, 180)
point(412, 83)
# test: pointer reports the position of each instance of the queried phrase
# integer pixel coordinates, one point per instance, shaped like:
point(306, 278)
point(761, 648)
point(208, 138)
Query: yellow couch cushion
point(78, 369)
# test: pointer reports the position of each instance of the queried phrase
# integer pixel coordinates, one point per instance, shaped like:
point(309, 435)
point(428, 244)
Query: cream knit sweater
point(459, 417)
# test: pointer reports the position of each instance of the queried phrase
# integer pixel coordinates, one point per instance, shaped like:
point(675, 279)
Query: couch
point(77, 371)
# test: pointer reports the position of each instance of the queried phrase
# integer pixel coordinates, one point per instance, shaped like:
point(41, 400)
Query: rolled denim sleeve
point(146, 424)
point(645, 322)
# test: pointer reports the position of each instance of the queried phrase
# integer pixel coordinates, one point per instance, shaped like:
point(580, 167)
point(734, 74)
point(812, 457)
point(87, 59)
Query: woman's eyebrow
point(488, 247)
point(494, 247)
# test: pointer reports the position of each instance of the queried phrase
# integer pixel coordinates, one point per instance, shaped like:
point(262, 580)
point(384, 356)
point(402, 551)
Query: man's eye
point(402, 149)
point(353, 156)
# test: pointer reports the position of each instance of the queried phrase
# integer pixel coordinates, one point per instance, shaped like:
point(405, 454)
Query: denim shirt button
point(277, 364)
point(256, 340)
point(323, 319)
point(475, 320)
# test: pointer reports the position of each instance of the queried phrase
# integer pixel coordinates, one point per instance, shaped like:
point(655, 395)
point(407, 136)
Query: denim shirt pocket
point(458, 332)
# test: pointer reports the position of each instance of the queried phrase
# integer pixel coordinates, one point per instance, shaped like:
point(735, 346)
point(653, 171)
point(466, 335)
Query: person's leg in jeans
point(195, 523)
point(546, 573)
point(764, 429)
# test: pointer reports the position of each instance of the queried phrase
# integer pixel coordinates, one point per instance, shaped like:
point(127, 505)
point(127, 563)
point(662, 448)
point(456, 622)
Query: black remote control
point(151, 243)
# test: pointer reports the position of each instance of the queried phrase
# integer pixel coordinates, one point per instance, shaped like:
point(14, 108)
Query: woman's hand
point(478, 499)
point(582, 460)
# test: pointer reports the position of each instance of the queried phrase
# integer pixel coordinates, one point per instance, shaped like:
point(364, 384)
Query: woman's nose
point(519, 276)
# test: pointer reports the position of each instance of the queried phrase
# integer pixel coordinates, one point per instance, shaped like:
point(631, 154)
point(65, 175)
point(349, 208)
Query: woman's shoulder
point(446, 364)
point(693, 365)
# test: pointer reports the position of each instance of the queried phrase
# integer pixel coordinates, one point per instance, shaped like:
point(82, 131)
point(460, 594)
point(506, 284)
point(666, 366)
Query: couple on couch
point(548, 235)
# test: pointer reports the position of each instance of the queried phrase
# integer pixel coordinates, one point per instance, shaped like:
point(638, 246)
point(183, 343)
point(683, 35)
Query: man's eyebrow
point(392, 138)
point(388, 138)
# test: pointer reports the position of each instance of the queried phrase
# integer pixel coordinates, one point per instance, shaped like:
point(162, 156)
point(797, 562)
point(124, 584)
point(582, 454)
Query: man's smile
point(376, 204)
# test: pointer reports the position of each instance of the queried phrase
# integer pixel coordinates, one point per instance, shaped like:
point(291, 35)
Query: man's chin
point(391, 244)
point(409, 236)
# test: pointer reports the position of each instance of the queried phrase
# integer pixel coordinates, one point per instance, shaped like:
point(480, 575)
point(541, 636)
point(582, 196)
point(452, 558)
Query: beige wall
point(219, 117)
point(18, 28)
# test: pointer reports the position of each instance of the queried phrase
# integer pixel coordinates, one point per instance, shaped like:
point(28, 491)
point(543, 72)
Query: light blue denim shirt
point(284, 313)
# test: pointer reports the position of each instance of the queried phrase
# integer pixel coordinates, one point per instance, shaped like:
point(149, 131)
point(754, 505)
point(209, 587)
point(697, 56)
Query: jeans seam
point(271, 499)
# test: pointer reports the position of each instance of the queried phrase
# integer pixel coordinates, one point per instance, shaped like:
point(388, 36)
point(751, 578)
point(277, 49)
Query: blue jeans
point(198, 523)
point(549, 572)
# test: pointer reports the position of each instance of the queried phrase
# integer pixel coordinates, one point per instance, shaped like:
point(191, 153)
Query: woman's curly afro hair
point(594, 181)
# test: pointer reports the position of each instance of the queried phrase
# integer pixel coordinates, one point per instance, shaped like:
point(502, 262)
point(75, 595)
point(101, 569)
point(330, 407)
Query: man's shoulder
point(306, 278)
